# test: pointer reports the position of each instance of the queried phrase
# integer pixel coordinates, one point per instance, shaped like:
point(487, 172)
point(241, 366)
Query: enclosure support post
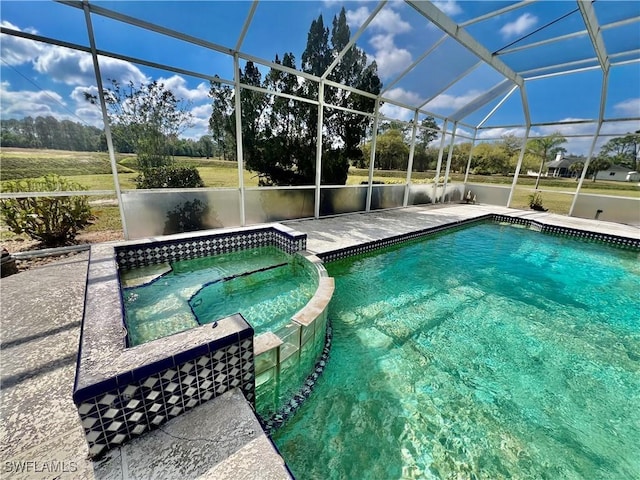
point(239, 153)
point(319, 148)
point(105, 118)
point(603, 102)
point(412, 150)
point(439, 165)
point(372, 156)
point(449, 157)
point(473, 144)
point(518, 166)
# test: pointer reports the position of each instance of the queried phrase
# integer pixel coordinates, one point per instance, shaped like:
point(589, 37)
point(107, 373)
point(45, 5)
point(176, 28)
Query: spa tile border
point(537, 225)
point(196, 245)
point(147, 397)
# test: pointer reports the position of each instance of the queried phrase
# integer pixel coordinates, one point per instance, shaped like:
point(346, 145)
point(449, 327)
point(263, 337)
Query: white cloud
point(387, 20)
point(23, 103)
point(629, 107)
point(451, 102)
point(178, 85)
point(62, 64)
point(390, 58)
point(388, 23)
point(16, 50)
point(201, 115)
point(405, 96)
point(90, 115)
point(355, 18)
point(78, 94)
point(450, 7)
point(493, 133)
point(519, 26)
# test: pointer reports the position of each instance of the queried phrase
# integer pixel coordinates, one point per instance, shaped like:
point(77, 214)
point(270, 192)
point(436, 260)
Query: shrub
point(170, 176)
point(52, 220)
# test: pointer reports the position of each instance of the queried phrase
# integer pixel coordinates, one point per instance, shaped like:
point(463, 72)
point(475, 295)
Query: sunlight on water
point(490, 352)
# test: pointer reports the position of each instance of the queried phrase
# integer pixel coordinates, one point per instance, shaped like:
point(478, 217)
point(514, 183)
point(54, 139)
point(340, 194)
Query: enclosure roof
point(500, 66)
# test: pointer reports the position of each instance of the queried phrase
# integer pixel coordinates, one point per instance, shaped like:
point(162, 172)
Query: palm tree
point(546, 149)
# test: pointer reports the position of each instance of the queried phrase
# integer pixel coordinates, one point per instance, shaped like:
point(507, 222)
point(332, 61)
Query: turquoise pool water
point(486, 353)
point(265, 285)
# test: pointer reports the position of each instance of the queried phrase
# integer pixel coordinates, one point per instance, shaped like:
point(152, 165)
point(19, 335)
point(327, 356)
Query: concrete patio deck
point(41, 435)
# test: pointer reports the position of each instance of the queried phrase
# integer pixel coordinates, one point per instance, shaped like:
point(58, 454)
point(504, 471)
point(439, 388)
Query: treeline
point(49, 132)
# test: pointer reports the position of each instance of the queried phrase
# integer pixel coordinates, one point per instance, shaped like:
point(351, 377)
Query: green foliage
point(623, 150)
point(170, 176)
point(49, 132)
point(52, 220)
point(145, 118)
point(601, 162)
point(490, 159)
point(535, 201)
point(392, 153)
point(280, 134)
point(546, 149)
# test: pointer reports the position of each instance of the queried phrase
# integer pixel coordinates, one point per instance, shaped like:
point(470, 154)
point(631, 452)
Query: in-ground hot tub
point(122, 391)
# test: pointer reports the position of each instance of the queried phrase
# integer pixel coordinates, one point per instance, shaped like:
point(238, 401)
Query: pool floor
point(489, 352)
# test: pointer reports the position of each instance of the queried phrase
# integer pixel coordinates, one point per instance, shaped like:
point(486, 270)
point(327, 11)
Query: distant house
point(618, 173)
point(560, 167)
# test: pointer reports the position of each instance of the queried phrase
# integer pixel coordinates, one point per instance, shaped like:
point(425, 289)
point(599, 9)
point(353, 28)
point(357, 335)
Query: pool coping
point(531, 223)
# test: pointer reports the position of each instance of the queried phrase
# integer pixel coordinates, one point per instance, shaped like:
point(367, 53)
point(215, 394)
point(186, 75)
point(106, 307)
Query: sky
point(40, 79)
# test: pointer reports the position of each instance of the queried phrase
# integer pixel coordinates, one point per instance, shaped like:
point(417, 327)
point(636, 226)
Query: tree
point(426, 133)
point(598, 164)
point(490, 158)
point(280, 134)
point(222, 120)
point(392, 153)
point(149, 117)
point(623, 150)
point(576, 168)
point(546, 148)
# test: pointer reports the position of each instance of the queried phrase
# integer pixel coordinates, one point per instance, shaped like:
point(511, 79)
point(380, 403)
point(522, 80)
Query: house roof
point(619, 168)
point(562, 163)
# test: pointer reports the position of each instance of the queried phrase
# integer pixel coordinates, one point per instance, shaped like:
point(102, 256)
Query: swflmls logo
point(40, 467)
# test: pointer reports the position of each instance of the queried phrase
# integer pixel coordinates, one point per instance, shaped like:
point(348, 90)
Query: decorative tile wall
point(615, 240)
point(152, 395)
point(144, 254)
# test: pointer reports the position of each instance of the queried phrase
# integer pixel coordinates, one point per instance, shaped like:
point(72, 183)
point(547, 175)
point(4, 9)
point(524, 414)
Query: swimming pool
point(266, 285)
point(488, 352)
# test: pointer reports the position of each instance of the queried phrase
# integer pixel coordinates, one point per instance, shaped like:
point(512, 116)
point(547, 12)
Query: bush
point(170, 177)
point(54, 221)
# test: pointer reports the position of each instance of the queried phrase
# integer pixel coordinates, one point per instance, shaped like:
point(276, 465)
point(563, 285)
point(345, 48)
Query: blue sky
point(40, 79)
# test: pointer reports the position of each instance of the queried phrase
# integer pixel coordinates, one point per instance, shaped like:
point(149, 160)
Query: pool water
point(265, 285)
point(488, 353)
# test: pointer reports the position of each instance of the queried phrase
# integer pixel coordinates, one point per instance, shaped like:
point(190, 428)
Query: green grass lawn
point(93, 170)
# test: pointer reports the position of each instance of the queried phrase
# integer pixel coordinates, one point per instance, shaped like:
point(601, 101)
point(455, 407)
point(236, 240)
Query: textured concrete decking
point(333, 233)
point(41, 316)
